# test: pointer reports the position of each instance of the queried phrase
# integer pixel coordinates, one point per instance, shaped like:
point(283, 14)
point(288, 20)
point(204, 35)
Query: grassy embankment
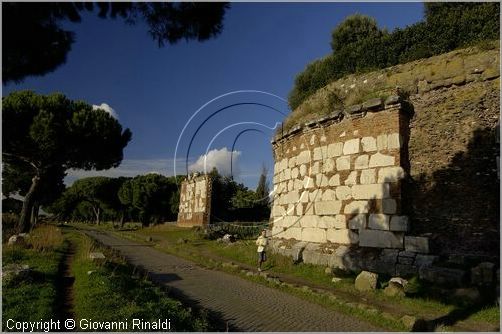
point(240, 258)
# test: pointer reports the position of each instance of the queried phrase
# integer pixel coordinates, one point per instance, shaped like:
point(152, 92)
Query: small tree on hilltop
point(43, 132)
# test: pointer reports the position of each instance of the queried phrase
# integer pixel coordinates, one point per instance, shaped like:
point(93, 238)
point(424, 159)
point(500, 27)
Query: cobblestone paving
point(243, 305)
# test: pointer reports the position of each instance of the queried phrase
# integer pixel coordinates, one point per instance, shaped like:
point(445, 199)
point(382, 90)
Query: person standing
point(261, 242)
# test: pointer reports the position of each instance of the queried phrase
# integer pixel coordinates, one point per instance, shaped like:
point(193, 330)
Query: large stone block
point(299, 209)
point(334, 150)
point(380, 239)
point(343, 163)
point(321, 180)
point(361, 162)
point(394, 141)
point(381, 160)
point(333, 222)
point(308, 182)
point(292, 162)
point(303, 157)
point(295, 172)
point(344, 237)
point(382, 142)
point(309, 221)
point(351, 146)
point(482, 273)
point(399, 223)
point(366, 281)
point(351, 179)
point(389, 206)
point(343, 193)
point(390, 174)
point(356, 207)
point(303, 170)
point(367, 176)
point(369, 144)
point(315, 195)
point(416, 244)
point(378, 221)
point(334, 180)
point(291, 233)
point(328, 207)
point(358, 222)
point(314, 235)
point(425, 260)
point(320, 153)
point(292, 197)
point(329, 195)
point(278, 210)
point(304, 198)
point(370, 191)
point(328, 165)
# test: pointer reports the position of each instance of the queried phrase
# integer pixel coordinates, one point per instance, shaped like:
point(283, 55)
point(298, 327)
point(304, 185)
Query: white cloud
point(221, 159)
point(107, 108)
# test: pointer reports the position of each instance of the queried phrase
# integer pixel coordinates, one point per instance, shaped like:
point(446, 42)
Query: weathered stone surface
point(351, 146)
point(356, 207)
point(482, 273)
point(368, 144)
point(315, 195)
point(370, 191)
point(334, 180)
point(405, 260)
point(392, 99)
point(343, 193)
point(315, 168)
point(15, 272)
point(375, 103)
point(399, 223)
point(380, 239)
point(309, 221)
point(382, 142)
point(425, 260)
point(394, 141)
point(278, 210)
point(292, 233)
point(367, 176)
point(343, 163)
point(333, 222)
point(366, 281)
point(358, 222)
point(378, 221)
point(303, 170)
point(304, 198)
point(381, 160)
point(303, 157)
point(342, 236)
point(390, 174)
point(295, 172)
point(308, 182)
point(320, 153)
point(361, 162)
point(351, 179)
point(328, 207)
point(389, 206)
point(299, 209)
point(416, 244)
point(328, 165)
point(328, 195)
point(409, 321)
point(406, 269)
point(394, 289)
point(334, 150)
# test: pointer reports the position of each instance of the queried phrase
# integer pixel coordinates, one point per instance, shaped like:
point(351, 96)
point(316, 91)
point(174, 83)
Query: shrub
point(359, 46)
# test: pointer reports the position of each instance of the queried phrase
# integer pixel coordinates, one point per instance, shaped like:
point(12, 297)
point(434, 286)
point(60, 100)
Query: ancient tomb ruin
point(195, 201)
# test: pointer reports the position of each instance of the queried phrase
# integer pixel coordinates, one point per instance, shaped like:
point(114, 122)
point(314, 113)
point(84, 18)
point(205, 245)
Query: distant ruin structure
point(195, 201)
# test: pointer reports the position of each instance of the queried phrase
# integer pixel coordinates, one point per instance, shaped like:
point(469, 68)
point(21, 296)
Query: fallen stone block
point(96, 256)
point(366, 281)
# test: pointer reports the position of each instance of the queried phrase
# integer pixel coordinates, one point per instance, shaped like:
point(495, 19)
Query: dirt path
point(66, 297)
point(238, 303)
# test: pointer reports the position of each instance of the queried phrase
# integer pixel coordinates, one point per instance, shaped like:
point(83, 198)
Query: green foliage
point(359, 46)
point(46, 134)
point(35, 42)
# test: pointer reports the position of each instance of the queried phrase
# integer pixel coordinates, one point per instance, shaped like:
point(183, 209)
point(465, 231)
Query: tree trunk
point(122, 220)
point(24, 221)
point(34, 213)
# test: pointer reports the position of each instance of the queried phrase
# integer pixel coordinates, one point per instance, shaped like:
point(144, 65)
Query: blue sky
point(156, 91)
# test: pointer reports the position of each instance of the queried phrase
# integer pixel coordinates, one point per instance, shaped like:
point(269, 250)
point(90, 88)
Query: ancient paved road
point(244, 305)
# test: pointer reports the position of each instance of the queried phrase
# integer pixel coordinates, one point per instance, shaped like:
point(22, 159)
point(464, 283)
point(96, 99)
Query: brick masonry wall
point(195, 201)
point(340, 182)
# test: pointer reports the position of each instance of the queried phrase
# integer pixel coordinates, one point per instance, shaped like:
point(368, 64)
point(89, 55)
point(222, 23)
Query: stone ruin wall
point(195, 201)
point(444, 175)
point(337, 188)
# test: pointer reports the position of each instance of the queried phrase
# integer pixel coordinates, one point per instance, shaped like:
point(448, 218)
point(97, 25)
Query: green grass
point(113, 292)
point(34, 298)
